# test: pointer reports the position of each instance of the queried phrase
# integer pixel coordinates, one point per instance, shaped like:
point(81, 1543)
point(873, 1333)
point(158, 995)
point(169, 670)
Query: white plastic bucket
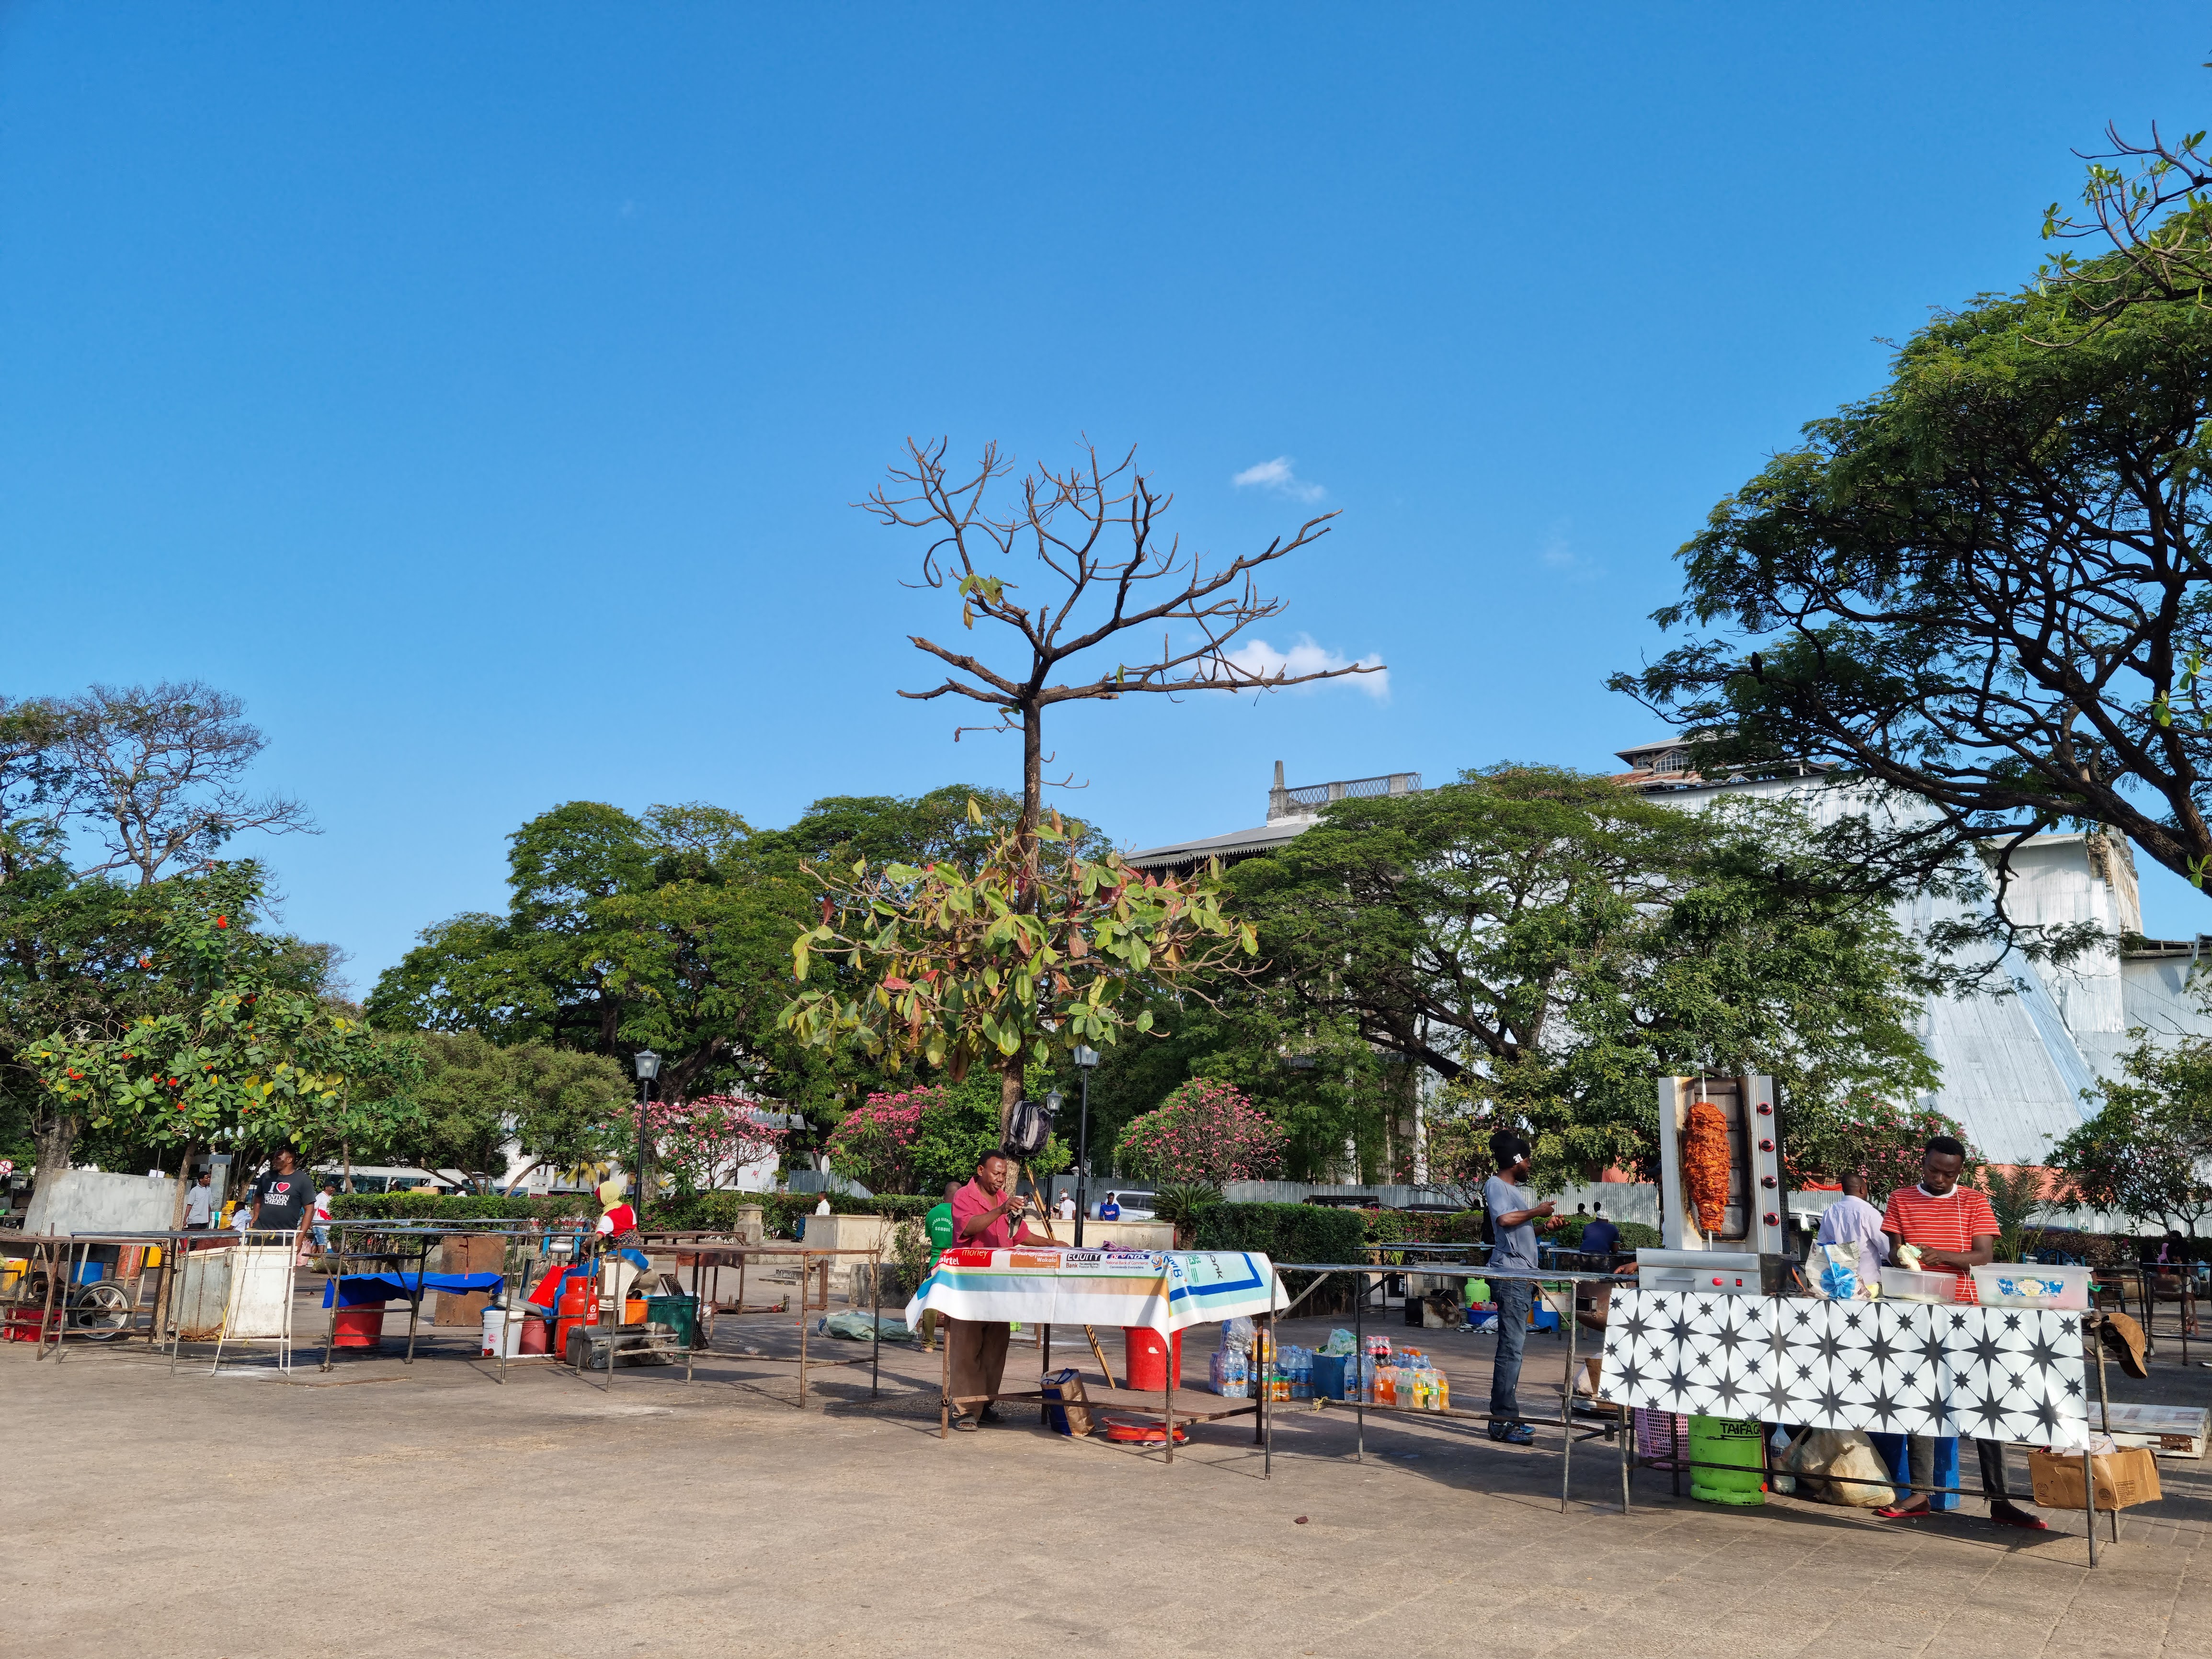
point(502, 1325)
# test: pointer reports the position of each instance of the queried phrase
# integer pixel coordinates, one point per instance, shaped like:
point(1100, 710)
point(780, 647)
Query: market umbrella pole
point(1099, 1354)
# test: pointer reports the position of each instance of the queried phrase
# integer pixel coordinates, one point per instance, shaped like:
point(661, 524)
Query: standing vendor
point(986, 1213)
point(1513, 1212)
point(1953, 1228)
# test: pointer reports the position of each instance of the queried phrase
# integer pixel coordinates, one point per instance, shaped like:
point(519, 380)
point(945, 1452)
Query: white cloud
point(1305, 657)
point(1278, 476)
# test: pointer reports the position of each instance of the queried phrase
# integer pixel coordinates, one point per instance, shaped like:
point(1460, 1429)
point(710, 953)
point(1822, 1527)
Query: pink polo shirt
point(968, 1202)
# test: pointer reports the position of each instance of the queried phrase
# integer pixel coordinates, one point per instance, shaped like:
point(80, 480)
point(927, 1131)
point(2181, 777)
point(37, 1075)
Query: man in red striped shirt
point(1954, 1227)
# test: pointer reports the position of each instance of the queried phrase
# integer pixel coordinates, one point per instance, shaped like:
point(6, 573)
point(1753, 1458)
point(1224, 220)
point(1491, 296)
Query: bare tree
point(1107, 575)
point(159, 772)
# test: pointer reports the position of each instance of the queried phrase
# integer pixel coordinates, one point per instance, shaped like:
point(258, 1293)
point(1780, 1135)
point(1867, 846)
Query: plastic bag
point(1819, 1453)
point(857, 1328)
point(1836, 1271)
point(1339, 1343)
point(1237, 1334)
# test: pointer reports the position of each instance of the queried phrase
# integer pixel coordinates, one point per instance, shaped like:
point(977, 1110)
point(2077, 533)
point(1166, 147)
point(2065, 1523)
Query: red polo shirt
point(1948, 1223)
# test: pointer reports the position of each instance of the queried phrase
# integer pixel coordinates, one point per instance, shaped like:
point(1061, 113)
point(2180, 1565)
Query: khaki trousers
point(977, 1353)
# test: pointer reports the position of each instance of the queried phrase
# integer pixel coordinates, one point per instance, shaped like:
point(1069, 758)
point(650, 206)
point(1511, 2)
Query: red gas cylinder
point(579, 1306)
point(360, 1328)
point(1149, 1359)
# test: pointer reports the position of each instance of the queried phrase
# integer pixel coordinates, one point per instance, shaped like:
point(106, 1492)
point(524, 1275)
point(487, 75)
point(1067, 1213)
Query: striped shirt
point(1949, 1222)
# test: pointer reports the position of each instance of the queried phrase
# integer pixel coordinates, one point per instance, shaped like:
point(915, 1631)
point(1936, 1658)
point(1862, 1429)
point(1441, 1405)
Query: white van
point(1136, 1203)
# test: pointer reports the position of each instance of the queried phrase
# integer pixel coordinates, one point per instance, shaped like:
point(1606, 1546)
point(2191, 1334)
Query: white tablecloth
point(2011, 1373)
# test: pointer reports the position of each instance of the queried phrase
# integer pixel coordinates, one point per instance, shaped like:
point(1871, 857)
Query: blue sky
point(480, 392)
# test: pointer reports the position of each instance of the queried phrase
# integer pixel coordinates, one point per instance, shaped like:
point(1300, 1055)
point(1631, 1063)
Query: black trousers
point(1921, 1460)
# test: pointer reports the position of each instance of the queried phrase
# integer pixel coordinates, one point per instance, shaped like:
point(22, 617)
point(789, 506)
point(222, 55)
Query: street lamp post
point(648, 1068)
point(1086, 1060)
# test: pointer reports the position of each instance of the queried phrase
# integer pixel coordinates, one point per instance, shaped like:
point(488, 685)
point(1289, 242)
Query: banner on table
point(1162, 1289)
point(2011, 1373)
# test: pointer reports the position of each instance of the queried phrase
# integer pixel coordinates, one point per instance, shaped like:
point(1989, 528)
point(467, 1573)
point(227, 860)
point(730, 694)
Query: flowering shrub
point(1205, 1132)
point(875, 1144)
point(702, 1144)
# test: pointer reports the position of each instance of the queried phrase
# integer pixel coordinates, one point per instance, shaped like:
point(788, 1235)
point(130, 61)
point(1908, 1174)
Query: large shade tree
point(1544, 943)
point(1985, 586)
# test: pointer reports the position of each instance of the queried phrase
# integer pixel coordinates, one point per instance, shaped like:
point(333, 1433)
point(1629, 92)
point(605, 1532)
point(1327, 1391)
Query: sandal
point(2012, 1516)
point(1899, 1512)
point(963, 1423)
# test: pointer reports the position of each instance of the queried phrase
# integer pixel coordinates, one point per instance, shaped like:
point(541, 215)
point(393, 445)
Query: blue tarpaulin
point(358, 1290)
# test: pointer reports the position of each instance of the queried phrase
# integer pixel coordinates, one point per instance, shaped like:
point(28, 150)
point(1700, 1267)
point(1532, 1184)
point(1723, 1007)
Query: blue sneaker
point(1514, 1434)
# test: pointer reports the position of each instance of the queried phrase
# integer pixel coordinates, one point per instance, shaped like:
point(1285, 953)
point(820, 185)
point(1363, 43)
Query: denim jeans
point(1514, 1297)
point(1920, 1466)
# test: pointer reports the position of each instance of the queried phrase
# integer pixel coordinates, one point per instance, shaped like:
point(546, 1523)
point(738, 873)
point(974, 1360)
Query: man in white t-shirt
point(199, 1203)
point(1067, 1210)
point(321, 1221)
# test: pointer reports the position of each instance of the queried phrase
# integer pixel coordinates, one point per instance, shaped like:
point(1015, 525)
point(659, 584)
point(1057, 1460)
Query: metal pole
point(943, 1377)
point(2105, 1422)
point(1359, 1365)
point(805, 1267)
point(1567, 1406)
point(1169, 1392)
point(644, 1100)
point(1267, 1406)
point(876, 1353)
point(1083, 1161)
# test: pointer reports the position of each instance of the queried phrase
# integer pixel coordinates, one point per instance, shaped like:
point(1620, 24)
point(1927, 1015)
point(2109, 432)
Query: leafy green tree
point(1550, 942)
point(1984, 587)
point(228, 1048)
point(670, 931)
point(565, 1109)
point(2148, 1152)
point(89, 959)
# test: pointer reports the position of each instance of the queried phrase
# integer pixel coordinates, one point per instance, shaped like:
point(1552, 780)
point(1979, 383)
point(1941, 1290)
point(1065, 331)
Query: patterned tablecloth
point(2011, 1373)
point(1162, 1289)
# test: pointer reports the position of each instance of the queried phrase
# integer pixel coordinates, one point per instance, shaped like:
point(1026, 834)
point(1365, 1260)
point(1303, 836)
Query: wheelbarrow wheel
point(101, 1312)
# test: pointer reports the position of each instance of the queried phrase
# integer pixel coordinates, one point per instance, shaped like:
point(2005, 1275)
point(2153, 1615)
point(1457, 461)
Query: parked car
point(1136, 1203)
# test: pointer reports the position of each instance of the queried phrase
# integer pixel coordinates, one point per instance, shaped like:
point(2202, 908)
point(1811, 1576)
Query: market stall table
point(2009, 1374)
point(1162, 1290)
point(704, 1254)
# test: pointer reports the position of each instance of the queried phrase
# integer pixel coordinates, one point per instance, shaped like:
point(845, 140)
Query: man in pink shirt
point(986, 1214)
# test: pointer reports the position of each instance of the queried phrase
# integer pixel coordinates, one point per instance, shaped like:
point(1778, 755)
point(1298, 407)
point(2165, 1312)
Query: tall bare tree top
point(1107, 572)
point(159, 774)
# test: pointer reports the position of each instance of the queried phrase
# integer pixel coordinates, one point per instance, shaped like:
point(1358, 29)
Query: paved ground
point(437, 1513)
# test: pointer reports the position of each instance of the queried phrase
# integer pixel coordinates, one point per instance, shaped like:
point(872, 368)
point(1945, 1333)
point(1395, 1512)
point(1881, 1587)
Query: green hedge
point(685, 1213)
point(1288, 1232)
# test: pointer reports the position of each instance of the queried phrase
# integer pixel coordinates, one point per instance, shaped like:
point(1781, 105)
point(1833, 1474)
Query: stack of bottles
point(1405, 1380)
point(1231, 1374)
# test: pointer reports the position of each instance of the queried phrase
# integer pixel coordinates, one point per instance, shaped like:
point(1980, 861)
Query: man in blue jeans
point(1513, 1212)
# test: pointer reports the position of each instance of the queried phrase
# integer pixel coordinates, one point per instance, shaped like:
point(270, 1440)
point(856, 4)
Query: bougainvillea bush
point(875, 1144)
point(701, 1143)
point(1206, 1132)
point(1881, 1141)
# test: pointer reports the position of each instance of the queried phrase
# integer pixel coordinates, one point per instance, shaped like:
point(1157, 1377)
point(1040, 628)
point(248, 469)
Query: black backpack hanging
point(1028, 1129)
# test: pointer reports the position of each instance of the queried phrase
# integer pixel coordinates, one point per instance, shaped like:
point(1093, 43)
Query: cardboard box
point(2124, 1477)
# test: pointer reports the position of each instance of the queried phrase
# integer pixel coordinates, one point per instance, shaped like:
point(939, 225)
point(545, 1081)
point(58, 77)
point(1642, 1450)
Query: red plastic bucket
point(1148, 1359)
point(360, 1328)
point(533, 1335)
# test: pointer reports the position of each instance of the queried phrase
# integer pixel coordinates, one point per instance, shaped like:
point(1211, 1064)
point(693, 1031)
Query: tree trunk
point(169, 1250)
point(53, 1138)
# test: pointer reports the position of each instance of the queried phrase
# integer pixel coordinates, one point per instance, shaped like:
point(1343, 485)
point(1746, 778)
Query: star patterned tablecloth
point(2009, 1374)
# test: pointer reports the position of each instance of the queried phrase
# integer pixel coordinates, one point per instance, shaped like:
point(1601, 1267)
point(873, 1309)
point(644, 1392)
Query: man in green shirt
point(937, 1224)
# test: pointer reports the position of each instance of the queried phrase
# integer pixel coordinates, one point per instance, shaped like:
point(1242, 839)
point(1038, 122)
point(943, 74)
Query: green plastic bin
point(1736, 1444)
point(679, 1313)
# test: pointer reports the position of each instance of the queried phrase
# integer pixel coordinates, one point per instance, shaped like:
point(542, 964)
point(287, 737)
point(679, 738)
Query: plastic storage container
point(2031, 1284)
point(1910, 1285)
point(679, 1313)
